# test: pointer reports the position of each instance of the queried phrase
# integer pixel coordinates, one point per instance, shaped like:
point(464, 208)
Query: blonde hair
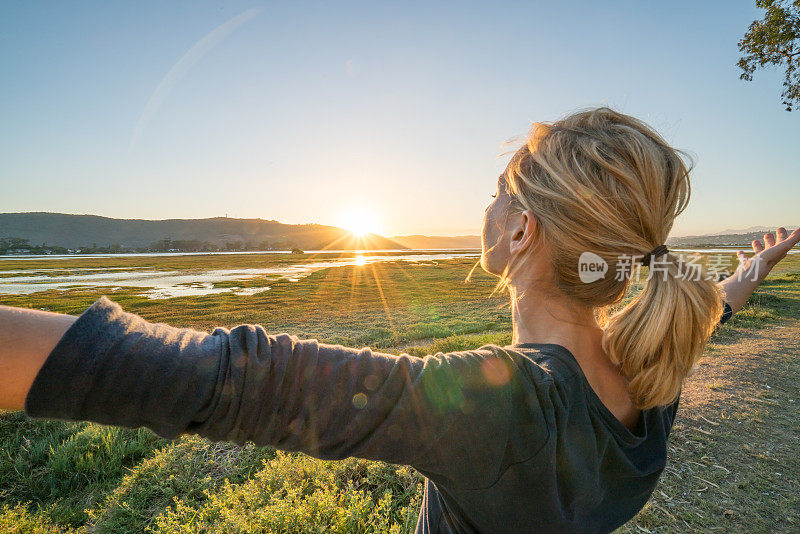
point(605, 182)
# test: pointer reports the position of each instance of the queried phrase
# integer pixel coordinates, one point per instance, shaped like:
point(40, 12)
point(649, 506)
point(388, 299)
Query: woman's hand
point(751, 271)
point(766, 258)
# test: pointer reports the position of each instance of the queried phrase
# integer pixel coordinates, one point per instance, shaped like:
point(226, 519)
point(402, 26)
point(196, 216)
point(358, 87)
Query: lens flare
point(360, 221)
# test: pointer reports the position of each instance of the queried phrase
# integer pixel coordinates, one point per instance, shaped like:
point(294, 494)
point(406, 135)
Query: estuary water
point(163, 284)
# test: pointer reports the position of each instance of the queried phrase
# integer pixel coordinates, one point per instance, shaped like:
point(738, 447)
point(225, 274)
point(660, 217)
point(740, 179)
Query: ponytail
point(657, 338)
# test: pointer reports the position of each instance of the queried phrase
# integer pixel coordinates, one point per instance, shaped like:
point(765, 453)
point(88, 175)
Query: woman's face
point(494, 237)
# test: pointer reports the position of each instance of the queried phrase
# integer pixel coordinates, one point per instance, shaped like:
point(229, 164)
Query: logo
point(591, 267)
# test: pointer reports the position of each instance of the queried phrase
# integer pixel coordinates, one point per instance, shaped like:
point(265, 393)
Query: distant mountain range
point(741, 231)
point(223, 233)
point(733, 237)
point(92, 231)
point(739, 238)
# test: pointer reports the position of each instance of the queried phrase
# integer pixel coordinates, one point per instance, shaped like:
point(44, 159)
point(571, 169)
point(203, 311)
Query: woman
point(564, 430)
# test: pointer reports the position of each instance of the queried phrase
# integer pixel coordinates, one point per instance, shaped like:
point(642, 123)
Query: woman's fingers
point(767, 257)
point(794, 237)
point(775, 252)
point(785, 242)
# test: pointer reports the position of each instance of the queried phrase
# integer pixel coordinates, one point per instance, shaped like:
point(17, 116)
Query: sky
point(309, 112)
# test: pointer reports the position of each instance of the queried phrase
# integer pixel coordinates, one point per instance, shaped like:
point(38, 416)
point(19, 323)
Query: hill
point(75, 231)
point(742, 239)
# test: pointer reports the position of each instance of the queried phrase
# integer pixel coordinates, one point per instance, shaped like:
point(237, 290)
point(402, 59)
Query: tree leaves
point(774, 40)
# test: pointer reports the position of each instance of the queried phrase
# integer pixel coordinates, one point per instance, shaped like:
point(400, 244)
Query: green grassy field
point(57, 477)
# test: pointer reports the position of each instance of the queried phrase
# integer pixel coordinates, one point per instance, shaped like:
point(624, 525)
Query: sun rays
point(367, 285)
point(360, 220)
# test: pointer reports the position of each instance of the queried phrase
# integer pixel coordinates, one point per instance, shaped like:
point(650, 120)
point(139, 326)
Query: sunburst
point(360, 221)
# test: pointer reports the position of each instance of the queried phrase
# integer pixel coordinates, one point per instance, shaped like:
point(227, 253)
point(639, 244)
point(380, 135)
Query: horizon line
point(438, 233)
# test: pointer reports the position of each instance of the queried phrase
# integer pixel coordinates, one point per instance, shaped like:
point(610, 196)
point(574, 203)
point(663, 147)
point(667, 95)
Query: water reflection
point(169, 284)
point(226, 253)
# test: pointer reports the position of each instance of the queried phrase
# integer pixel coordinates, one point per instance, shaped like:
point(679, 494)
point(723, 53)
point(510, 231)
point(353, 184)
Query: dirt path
point(735, 448)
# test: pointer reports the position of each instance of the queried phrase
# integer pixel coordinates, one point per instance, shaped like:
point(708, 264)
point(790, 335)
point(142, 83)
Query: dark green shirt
point(509, 439)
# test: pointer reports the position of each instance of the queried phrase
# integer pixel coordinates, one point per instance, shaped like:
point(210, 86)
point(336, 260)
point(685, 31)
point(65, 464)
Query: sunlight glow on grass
point(360, 220)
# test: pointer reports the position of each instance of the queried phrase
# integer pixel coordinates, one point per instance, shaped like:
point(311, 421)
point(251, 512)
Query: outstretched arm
point(751, 272)
point(451, 416)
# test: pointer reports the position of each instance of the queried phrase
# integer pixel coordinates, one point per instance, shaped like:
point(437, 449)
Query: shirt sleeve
point(726, 314)
point(452, 416)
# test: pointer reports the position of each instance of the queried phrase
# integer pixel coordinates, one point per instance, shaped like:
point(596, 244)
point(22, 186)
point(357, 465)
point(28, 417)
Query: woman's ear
point(523, 229)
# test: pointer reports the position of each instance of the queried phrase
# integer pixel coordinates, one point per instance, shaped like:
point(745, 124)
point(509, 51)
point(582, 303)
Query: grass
point(81, 477)
point(380, 305)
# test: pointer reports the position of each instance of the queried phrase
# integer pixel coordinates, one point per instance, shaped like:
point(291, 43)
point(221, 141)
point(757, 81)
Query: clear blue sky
point(298, 111)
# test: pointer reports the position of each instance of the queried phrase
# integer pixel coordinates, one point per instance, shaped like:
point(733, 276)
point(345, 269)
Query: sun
point(360, 221)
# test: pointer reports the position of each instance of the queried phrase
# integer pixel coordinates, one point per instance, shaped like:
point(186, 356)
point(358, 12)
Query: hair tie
point(658, 251)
